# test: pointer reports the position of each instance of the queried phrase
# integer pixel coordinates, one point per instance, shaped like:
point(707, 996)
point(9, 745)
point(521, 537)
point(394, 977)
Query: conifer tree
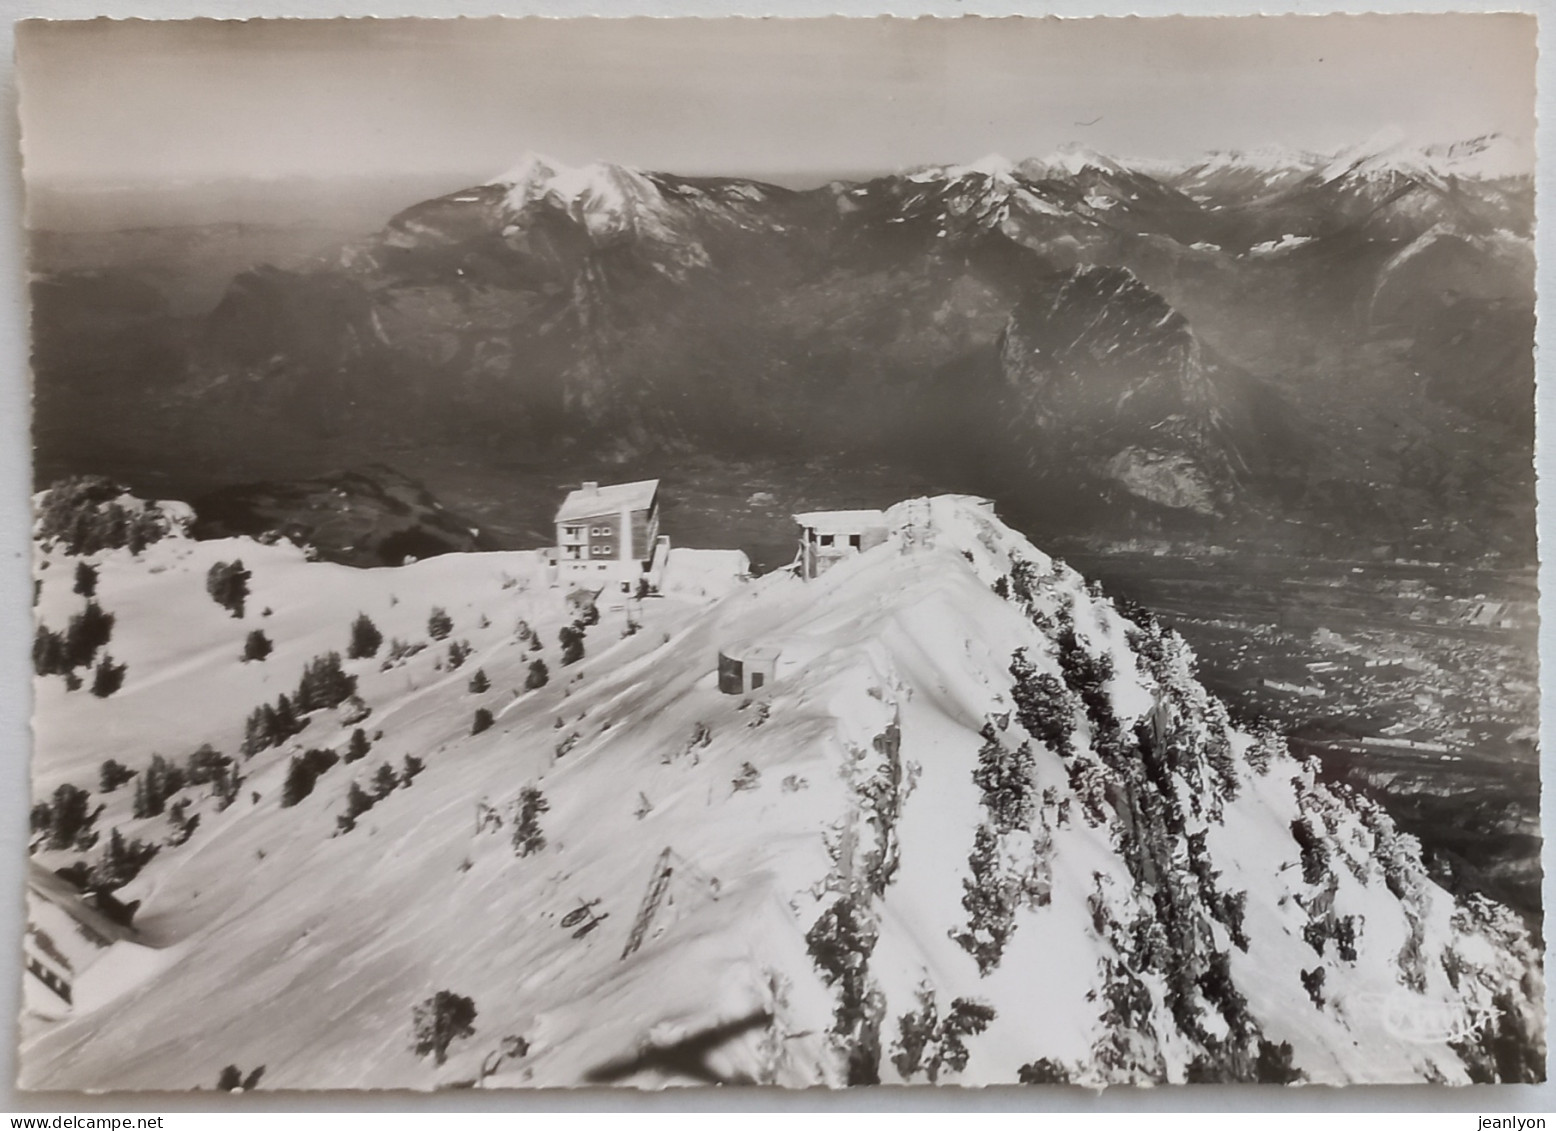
point(527, 837)
point(48, 652)
point(107, 677)
point(88, 631)
point(358, 746)
point(365, 638)
point(572, 640)
point(86, 580)
point(112, 775)
point(357, 803)
point(71, 815)
point(228, 585)
point(256, 646)
point(384, 782)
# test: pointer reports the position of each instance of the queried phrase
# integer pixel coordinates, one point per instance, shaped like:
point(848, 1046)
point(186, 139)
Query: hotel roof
point(612, 498)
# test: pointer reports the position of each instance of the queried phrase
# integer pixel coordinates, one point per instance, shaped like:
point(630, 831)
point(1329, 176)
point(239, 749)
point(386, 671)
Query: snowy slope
point(1120, 897)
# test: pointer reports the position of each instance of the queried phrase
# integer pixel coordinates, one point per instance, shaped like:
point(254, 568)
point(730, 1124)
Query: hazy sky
point(141, 101)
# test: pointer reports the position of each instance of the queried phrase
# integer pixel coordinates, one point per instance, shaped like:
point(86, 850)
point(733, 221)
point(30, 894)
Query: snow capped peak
point(994, 166)
point(1270, 158)
point(1073, 159)
point(602, 196)
point(532, 168)
point(1489, 155)
point(1384, 154)
point(989, 165)
point(1381, 152)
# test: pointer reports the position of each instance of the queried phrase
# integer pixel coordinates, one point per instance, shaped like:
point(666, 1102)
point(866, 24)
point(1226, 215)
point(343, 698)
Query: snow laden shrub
point(1267, 744)
point(928, 1044)
point(301, 774)
point(840, 943)
point(527, 837)
point(479, 684)
point(439, 1021)
point(1009, 862)
point(482, 721)
point(1274, 1065)
point(990, 899)
point(439, 624)
point(233, 1080)
point(1042, 1071)
point(107, 677)
point(1227, 908)
point(1005, 778)
point(87, 513)
point(112, 775)
point(324, 684)
point(1044, 707)
point(1315, 853)
point(1088, 675)
point(538, 675)
point(410, 768)
point(1313, 983)
point(256, 646)
point(458, 652)
point(86, 580)
point(365, 638)
point(748, 778)
point(228, 585)
point(571, 637)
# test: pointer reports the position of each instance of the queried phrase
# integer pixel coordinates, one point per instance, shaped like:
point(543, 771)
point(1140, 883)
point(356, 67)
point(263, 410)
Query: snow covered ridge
point(981, 826)
point(1486, 157)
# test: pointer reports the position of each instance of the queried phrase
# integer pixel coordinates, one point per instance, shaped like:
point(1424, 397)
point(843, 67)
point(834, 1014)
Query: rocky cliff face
point(1105, 375)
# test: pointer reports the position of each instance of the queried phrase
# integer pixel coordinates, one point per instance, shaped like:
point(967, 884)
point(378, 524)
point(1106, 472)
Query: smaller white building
point(827, 537)
point(747, 667)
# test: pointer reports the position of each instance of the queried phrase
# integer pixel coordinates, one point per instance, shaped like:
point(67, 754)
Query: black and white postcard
point(813, 552)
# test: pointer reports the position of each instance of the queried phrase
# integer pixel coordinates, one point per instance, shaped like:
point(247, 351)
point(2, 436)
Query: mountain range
point(1342, 342)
